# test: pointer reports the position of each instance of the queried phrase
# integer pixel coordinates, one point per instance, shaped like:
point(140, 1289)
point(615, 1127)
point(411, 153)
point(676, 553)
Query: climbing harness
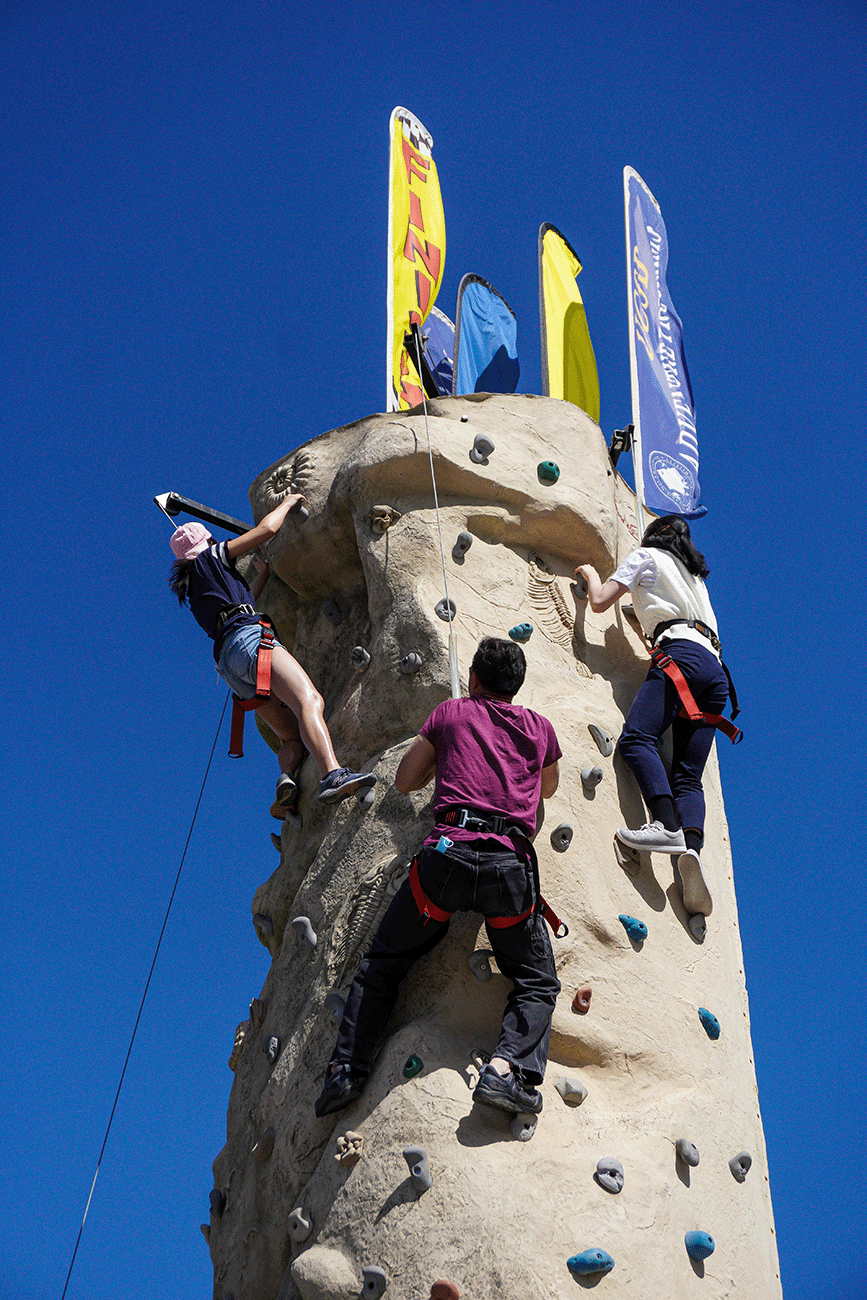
point(488, 824)
point(263, 683)
point(711, 635)
point(688, 707)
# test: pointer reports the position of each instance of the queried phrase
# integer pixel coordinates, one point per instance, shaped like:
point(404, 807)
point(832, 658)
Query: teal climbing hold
point(636, 930)
point(699, 1245)
point(521, 631)
point(589, 1262)
point(414, 1066)
point(710, 1022)
point(548, 471)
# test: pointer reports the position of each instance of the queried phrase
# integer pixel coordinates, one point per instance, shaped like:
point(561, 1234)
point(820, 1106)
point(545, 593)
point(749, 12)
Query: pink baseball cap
point(190, 540)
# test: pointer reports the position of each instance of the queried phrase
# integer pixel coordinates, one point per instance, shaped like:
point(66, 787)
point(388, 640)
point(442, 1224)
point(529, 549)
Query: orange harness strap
point(688, 707)
point(263, 691)
point(429, 911)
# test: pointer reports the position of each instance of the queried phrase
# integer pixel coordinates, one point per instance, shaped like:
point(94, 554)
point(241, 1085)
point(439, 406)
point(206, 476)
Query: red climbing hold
point(444, 1291)
point(581, 1001)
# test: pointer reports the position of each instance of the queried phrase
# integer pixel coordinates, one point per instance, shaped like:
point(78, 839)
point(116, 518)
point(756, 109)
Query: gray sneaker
point(652, 838)
point(696, 895)
point(343, 782)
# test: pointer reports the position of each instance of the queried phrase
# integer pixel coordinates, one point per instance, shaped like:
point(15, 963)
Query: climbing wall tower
point(649, 1152)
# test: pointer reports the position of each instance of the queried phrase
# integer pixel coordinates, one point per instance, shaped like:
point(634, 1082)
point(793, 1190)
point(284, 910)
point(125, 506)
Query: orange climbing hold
point(581, 1001)
point(444, 1291)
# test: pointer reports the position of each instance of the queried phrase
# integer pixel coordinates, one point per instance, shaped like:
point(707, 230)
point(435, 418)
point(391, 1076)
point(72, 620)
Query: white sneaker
point(652, 838)
point(696, 895)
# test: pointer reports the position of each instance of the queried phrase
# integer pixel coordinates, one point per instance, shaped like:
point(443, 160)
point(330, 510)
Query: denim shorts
point(238, 660)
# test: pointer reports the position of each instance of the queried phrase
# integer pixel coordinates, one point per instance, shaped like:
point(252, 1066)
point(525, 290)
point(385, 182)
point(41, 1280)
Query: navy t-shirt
point(214, 584)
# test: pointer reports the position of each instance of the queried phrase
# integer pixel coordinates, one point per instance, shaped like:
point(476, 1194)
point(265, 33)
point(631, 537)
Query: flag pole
point(637, 463)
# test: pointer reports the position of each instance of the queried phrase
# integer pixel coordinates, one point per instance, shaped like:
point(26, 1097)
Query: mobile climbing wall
point(646, 1172)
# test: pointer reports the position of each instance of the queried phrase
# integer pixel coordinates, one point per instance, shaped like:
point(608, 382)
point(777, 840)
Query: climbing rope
point(453, 650)
point(144, 994)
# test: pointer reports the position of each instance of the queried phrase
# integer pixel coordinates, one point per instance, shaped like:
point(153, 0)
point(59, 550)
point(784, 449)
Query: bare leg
point(290, 683)
point(282, 721)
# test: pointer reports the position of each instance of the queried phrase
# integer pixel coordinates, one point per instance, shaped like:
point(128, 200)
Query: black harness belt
point(707, 631)
point(688, 707)
point(263, 690)
point(488, 824)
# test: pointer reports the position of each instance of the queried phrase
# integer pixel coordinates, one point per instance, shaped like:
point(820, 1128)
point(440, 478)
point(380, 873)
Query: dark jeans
point(655, 709)
point(495, 883)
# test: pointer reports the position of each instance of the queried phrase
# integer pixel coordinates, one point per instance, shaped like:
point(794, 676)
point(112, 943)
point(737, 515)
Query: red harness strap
point(689, 708)
point(263, 691)
point(429, 911)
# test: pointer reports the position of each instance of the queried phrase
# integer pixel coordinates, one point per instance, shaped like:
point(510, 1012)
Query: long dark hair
point(671, 533)
point(179, 579)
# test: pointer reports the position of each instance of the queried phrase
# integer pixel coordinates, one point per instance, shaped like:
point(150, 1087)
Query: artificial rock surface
point(502, 1216)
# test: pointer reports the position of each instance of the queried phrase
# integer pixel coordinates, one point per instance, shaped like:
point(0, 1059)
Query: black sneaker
point(341, 1089)
point(506, 1093)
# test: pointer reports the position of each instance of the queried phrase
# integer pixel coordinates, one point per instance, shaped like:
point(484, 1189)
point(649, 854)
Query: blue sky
point(193, 283)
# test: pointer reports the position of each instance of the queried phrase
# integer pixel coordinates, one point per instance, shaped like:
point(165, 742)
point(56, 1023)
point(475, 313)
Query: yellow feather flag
point(416, 249)
point(568, 360)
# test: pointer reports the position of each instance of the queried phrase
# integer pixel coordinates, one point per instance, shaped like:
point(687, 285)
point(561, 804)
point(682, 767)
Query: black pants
point(495, 883)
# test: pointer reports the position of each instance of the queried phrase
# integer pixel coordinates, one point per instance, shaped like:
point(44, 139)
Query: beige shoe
point(696, 895)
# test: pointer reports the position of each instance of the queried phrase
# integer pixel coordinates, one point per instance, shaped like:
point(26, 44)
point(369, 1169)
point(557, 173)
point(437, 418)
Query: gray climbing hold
point(299, 1225)
point(446, 609)
point(217, 1198)
point(331, 611)
point(334, 1005)
point(302, 927)
point(740, 1165)
point(480, 964)
point(699, 1245)
point(271, 1046)
point(710, 1022)
point(265, 1146)
point(263, 926)
point(375, 1282)
point(258, 1008)
point(481, 449)
point(419, 1170)
point(365, 798)
point(276, 841)
point(561, 837)
point(590, 1262)
point(521, 631)
point(636, 930)
point(360, 658)
point(523, 1127)
point(571, 1090)
point(410, 664)
point(302, 512)
point(609, 1174)
point(590, 777)
point(292, 819)
point(580, 590)
point(686, 1152)
point(461, 546)
point(604, 743)
point(382, 517)
point(698, 927)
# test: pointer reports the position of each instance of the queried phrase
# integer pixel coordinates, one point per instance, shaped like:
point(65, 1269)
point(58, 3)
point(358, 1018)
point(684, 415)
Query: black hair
point(671, 533)
point(179, 579)
point(500, 666)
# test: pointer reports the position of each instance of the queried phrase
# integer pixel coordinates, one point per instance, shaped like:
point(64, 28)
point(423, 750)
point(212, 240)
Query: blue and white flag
point(486, 340)
point(663, 412)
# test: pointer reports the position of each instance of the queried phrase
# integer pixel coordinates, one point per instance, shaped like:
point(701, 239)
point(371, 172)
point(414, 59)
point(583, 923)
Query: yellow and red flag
point(416, 249)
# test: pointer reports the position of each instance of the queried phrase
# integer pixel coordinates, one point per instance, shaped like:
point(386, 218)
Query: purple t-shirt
point(490, 756)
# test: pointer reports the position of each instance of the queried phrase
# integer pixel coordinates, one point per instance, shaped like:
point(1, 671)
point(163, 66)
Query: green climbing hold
point(414, 1066)
point(548, 471)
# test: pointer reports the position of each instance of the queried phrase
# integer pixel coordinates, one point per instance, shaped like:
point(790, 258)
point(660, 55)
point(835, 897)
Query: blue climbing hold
point(548, 471)
point(414, 1066)
point(521, 631)
point(636, 930)
point(699, 1244)
point(589, 1262)
point(710, 1022)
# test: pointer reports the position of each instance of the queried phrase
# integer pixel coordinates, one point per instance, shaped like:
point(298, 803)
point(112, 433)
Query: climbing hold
point(523, 1126)
point(710, 1022)
point(561, 837)
point(609, 1174)
point(579, 587)
point(481, 449)
point(382, 517)
point(581, 1001)
point(217, 1198)
point(414, 1065)
point(238, 1046)
point(461, 546)
point(271, 1046)
point(263, 926)
point(410, 664)
point(698, 927)
point(360, 658)
point(571, 1090)
point(589, 1262)
point(365, 798)
point(548, 471)
point(445, 1290)
point(205, 1229)
point(265, 1145)
point(375, 1282)
point(292, 819)
point(521, 631)
point(636, 930)
point(446, 609)
point(590, 777)
point(480, 964)
point(699, 1244)
point(302, 927)
point(258, 1008)
point(416, 1159)
point(331, 610)
point(275, 840)
point(740, 1165)
point(299, 1224)
point(334, 1005)
point(686, 1152)
point(604, 743)
point(349, 1148)
point(628, 858)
